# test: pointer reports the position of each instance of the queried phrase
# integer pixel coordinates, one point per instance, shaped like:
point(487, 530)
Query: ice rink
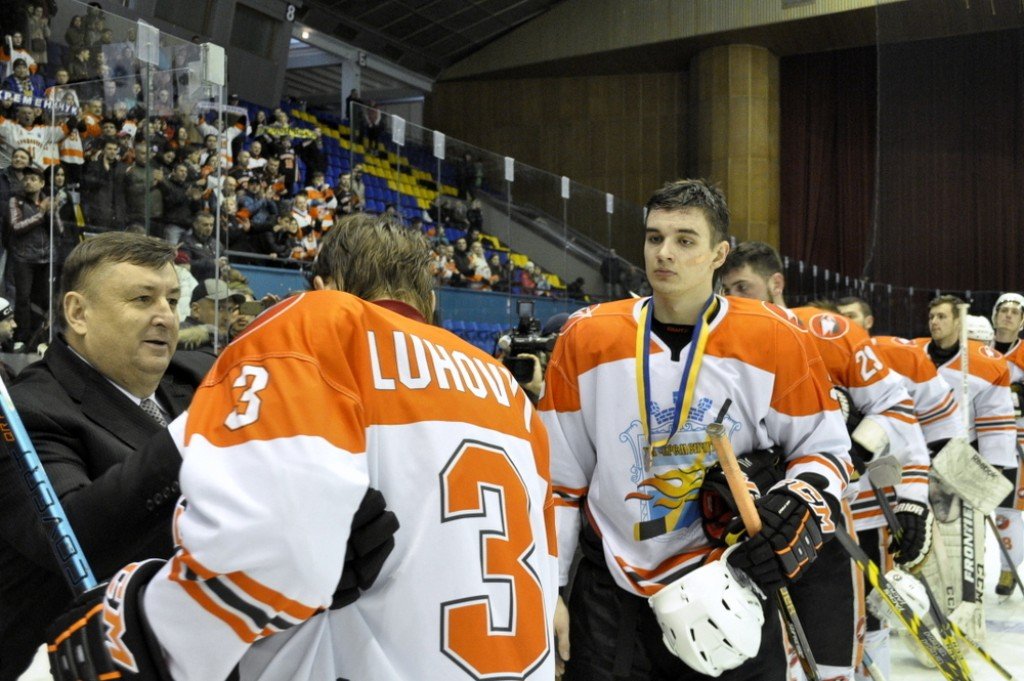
point(1005, 637)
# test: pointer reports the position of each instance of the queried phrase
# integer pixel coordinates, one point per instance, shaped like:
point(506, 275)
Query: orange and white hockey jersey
point(756, 355)
point(934, 400)
point(323, 396)
point(990, 412)
point(879, 395)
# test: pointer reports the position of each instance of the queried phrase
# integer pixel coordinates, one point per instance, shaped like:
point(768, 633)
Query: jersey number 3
point(479, 481)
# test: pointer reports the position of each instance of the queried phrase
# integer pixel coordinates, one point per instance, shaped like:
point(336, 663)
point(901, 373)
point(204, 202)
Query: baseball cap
point(215, 290)
point(6, 311)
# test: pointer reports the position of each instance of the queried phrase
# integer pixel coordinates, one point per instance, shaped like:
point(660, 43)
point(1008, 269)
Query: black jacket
point(115, 471)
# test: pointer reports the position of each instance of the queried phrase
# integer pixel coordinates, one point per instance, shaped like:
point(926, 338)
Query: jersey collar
point(404, 309)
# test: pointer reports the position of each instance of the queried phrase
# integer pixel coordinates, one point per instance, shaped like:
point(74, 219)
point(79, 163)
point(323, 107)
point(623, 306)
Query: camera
point(526, 338)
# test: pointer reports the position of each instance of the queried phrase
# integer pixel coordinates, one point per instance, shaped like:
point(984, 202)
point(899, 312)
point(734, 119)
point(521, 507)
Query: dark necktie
point(149, 406)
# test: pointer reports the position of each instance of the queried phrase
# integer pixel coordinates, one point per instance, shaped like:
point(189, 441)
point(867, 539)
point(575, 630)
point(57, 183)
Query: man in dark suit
point(96, 407)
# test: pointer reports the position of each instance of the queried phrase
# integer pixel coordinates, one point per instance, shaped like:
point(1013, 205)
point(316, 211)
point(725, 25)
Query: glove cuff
point(814, 499)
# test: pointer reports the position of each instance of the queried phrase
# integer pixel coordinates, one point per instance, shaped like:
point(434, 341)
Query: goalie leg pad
point(955, 566)
point(962, 470)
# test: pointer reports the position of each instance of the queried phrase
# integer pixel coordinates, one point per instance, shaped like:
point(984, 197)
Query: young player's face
point(1009, 317)
point(855, 314)
point(744, 282)
point(943, 324)
point(679, 255)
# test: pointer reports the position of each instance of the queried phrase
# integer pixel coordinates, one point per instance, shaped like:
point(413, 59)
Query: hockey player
point(884, 422)
point(1008, 319)
point(326, 393)
point(631, 388)
point(991, 429)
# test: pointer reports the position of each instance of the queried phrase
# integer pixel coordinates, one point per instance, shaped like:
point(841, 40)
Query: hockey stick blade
point(17, 444)
point(752, 522)
point(944, 660)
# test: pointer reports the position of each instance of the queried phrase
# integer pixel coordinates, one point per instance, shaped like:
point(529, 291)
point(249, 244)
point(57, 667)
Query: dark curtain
point(949, 115)
point(951, 162)
point(827, 157)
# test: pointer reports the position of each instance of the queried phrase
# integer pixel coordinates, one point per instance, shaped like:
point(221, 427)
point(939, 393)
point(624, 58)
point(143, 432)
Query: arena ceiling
point(425, 36)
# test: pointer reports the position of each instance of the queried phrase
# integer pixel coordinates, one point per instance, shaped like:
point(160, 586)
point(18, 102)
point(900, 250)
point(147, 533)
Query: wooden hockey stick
point(16, 442)
point(752, 522)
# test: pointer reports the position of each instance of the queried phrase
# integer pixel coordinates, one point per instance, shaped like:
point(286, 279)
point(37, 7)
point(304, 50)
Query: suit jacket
point(115, 471)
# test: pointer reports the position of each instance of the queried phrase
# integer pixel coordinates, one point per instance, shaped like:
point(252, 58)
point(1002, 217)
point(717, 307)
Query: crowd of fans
point(74, 114)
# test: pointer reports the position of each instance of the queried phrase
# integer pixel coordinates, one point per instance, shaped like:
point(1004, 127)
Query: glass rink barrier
point(104, 108)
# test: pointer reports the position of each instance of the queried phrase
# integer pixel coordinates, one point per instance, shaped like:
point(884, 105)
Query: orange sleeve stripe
point(193, 589)
point(908, 419)
point(1003, 417)
point(268, 598)
point(821, 460)
point(571, 491)
point(566, 504)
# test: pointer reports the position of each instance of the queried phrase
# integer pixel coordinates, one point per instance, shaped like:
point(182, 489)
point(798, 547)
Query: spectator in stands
point(475, 216)
point(542, 281)
point(635, 281)
point(460, 257)
point(103, 186)
point(214, 307)
point(23, 82)
point(68, 228)
point(14, 49)
point(178, 205)
point(94, 407)
point(75, 35)
point(478, 261)
point(358, 188)
point(499, 279)
point(80, 67)
point(612, 272)
point(37, 30)
point(198, 242)
point(260, 206)
point(183, 268)
point(142, 192)
point(22, 132)
point(575, 289)
point(58, 92)
point(373, 125)
point(271, 174)
point(527, 282)
point(284, 239)
point(10, 184)
point(256, 159)
point(29, 220)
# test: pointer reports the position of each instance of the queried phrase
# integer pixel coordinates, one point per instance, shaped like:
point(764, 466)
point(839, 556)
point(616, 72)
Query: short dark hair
point(762, 258)
point(375, 257)
point(701, 194)
point(865, 309)
point(943, 299)
point(111, 248)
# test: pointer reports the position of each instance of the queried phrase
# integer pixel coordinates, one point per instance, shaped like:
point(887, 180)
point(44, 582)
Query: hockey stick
point(16, 442)
point(872, 669)
point(752, 522)
point(943, 659)
point(1006, 553)
point(885, 474)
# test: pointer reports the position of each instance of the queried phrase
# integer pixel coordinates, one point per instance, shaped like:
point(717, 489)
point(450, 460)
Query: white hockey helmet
point(711, 618)
point(980, 329)
point(1015, 298)
point(909, 588)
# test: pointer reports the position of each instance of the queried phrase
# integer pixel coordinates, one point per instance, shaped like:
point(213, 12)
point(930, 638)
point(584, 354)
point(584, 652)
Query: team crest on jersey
point(991, 353)
point(829, 326)
point(673, 481)
point(784, 314)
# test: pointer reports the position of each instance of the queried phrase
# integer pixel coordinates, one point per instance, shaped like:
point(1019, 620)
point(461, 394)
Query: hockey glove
point(105, 635)
point(916, 521)
point(370, 542)
point(796, 520)
point(763, 468)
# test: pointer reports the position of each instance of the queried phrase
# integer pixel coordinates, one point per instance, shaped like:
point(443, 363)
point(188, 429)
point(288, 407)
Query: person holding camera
point(526, 350)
